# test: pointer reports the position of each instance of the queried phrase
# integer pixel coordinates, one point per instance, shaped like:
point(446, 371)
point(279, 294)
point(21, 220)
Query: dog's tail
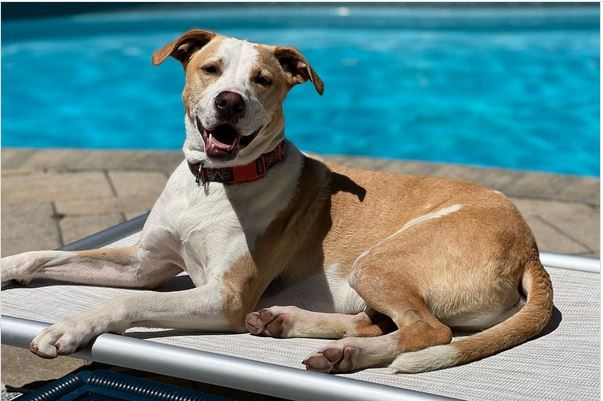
point(521, 327)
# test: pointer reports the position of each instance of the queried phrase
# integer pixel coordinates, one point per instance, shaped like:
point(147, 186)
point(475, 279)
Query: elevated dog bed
point(563, 363)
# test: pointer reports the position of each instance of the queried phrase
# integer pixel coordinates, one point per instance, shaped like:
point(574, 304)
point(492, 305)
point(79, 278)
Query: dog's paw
point(16, 269)
point(274, 322)
point(336, 357)
point(62, 338)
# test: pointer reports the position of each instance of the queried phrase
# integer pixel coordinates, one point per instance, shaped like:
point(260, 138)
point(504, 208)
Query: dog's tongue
point(224, 139)
point(215, 143)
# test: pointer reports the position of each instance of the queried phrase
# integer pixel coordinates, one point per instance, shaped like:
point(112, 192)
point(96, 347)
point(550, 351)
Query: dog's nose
point(229, 105)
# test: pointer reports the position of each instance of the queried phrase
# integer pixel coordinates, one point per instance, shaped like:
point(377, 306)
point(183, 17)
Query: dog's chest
point(219, 224)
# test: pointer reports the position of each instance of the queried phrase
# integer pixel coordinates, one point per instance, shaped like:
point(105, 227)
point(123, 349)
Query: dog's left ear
point(183, 48)
point(297, 67)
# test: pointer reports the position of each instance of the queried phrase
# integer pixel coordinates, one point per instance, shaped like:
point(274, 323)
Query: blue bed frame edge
point(115, 386)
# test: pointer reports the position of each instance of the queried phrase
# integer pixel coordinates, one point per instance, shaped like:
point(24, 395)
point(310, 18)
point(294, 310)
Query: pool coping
point(513, 183)
point(54, 196)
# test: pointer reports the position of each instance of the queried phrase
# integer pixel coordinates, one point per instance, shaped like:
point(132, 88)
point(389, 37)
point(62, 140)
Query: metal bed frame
point(227, 371)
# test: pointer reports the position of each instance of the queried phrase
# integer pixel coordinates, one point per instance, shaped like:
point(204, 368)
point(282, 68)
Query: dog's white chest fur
point(217, 224)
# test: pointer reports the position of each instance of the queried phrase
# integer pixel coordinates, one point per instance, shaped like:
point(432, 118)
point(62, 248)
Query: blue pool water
point(515, 88)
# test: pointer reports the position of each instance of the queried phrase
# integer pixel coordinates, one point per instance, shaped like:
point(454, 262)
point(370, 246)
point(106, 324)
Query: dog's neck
point(238, 174)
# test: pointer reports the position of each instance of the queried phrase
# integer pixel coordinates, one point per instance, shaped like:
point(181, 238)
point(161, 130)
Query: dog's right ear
point(183, 48)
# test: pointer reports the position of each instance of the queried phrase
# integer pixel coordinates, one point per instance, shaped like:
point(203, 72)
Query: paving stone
point(15, 158)
point(28, 227)
point(78, 160)
point(392, 166)
point(135, 183)
point(502, 181)
point(54, 186)
point(125, 204)
point(549, 239)
point(55, 159)
point(78, 227)
point(558, 187)
point(139, 176)
point(17, 171)
point(579, 222)
point(511, 182)
point(583, 190)
point(21, 367)
point(131, 215)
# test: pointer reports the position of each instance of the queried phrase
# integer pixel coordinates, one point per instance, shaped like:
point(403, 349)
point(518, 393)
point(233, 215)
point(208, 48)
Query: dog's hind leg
point(381, 279)
point(417, 329)
point(120, 267)
point(291, 321)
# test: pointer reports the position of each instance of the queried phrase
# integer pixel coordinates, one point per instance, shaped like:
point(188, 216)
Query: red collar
point(237, 174)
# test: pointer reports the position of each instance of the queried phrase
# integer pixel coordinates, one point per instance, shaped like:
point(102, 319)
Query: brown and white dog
point(280, 244)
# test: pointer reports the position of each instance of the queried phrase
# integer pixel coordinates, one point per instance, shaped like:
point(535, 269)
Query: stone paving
point(53, 197)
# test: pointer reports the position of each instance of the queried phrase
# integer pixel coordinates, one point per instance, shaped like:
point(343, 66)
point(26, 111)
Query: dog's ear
point(183, 48)
point(297, 67)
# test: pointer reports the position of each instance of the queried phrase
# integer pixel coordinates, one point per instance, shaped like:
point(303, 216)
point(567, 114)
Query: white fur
point(217, 224)
point(432, 358)
point(327, 292)
point(482, 319)
point(429, 216)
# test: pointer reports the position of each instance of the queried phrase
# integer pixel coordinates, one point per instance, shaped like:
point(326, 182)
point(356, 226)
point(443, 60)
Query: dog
point(281, 244)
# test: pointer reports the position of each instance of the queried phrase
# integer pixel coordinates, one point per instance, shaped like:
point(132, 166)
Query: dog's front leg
point(147, 264)
point(203, 308)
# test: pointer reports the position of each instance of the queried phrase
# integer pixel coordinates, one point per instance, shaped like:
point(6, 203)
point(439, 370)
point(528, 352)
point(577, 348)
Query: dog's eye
point(210, 69)
point(262, 80)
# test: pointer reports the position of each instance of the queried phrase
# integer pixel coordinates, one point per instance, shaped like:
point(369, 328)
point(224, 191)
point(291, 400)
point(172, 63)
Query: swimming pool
point(509, 87)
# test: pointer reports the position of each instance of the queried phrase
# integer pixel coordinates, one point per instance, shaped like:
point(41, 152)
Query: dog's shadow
point(553, 324)
point(153, 334)
point(177, 283)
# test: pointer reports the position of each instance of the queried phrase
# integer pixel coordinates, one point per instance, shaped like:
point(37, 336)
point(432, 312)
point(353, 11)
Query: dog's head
point(233, 94)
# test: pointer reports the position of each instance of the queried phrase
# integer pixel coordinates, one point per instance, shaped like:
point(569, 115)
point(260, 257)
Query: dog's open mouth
point(224, 142)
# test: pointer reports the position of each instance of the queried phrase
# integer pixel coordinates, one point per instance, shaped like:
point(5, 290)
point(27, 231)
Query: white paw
point(274, 322)
point(336, 357)
point(64, 337)
point(17, 268)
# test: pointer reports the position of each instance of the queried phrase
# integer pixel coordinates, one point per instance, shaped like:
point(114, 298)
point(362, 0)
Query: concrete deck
point(53, 197)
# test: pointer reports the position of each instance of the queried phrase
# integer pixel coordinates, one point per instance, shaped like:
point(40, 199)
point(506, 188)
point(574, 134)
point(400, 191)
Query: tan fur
point(196, 82)
point(526, 324)
point(120, 256)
